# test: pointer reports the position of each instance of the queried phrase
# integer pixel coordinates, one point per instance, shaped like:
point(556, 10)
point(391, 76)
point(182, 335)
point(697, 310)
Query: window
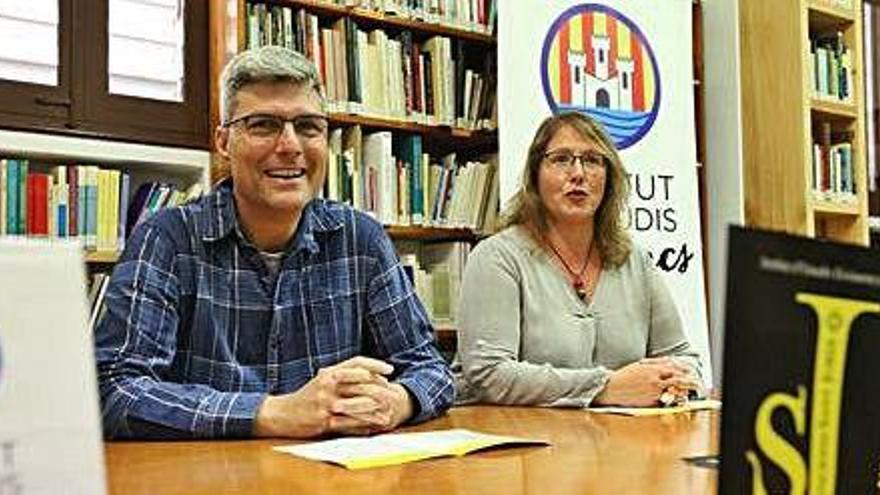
point(625, 80)
point(133, 70)
point(146, 48)
point(29, 41)
point(577, 75)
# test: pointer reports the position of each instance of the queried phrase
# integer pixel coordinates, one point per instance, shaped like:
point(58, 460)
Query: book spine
point(12, 197)
point(3, 198)
point(92, 208)
point(124, 192)
point(72, 200)
point(41, 204)
point(22, 196)
point(31, 191)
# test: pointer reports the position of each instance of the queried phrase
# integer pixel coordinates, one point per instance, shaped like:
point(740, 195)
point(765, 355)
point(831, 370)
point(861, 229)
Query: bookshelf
point(141, 163)
point(371, 18)
point(804, 163)
point(392, 109)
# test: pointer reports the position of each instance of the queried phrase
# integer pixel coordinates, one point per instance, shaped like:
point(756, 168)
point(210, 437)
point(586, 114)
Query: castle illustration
point(602, 88)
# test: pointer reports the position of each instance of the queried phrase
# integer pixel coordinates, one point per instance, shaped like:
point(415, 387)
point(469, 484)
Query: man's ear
point(221, 141)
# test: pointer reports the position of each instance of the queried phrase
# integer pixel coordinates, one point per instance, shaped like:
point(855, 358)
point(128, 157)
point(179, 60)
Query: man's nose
point(288, 138)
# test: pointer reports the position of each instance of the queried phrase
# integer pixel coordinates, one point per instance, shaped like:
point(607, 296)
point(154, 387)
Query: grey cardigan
point(526, 338)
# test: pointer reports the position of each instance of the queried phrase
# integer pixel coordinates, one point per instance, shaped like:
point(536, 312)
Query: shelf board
point(834, 109)
point(420, 233)
point(445, 132)
point(824, 15)
point(134, 156)
point(826, 207)
point(101, 256)
point(379, 18)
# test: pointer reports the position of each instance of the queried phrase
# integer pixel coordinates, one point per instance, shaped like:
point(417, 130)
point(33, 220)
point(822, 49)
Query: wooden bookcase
point(229, 36)
point(783, 118)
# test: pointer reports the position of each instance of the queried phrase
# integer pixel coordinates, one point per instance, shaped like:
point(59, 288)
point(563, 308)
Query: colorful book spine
point(124, 191)
point(73, 200)
point(22, 196)
point(12, 197)
point(91, 200)
point(3, 197)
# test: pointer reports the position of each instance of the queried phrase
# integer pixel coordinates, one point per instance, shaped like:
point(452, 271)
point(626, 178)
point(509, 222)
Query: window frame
point(80, 105)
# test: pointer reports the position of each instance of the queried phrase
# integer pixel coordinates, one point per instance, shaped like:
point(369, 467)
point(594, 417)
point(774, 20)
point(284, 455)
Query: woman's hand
point(640, 384)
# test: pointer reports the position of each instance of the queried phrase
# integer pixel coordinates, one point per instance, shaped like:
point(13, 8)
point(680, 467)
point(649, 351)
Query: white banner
point(627, 63)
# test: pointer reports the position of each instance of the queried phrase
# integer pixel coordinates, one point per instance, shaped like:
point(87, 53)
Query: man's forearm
point(147, 409)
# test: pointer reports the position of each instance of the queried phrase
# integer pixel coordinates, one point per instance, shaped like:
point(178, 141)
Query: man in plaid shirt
point(260, 310)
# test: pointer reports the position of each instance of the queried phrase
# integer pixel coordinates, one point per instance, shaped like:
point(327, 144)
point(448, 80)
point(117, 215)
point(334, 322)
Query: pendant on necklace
point(579, 288)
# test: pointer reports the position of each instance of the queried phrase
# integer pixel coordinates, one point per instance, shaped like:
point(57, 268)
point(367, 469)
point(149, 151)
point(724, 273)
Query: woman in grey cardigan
point(560, 308)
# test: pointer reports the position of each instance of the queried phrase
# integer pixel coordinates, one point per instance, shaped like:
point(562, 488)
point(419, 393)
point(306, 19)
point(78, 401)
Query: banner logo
point(596, 61)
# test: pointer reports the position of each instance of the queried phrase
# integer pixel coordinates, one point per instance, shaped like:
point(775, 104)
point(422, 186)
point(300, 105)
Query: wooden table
point(589, 453)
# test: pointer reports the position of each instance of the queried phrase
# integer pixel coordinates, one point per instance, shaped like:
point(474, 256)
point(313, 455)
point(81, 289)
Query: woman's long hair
point(527, 209)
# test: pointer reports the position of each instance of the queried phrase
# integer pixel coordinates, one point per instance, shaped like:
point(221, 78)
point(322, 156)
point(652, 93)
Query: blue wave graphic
point(620, 115)
point(620, 125)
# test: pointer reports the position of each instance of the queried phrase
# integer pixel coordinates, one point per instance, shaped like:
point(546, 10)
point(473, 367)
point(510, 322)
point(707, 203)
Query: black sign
point(801, 363)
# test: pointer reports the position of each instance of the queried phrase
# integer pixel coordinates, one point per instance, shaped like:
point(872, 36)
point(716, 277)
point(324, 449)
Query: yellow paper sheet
point(399, 448)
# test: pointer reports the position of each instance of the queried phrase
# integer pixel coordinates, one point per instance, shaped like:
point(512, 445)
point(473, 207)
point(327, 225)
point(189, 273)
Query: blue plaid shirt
point(196, 330)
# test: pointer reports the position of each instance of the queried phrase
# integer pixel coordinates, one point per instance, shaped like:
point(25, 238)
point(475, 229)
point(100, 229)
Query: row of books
point(390, 176)
point(833, 175)
point(63, 201)
point(388, 76)
point(84, 201)
point(832, 66)
point(468, 15)
point(435, 270)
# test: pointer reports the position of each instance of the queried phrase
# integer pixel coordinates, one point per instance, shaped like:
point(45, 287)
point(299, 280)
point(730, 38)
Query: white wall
point(724, 181)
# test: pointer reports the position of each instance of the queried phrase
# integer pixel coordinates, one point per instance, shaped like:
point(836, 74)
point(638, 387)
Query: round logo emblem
point(596, 61)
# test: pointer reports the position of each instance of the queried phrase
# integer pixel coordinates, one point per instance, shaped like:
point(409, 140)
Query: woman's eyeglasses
point(564, 160)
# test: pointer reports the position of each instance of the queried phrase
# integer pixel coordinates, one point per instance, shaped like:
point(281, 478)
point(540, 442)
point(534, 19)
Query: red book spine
point(31, 204)
point(41, 206)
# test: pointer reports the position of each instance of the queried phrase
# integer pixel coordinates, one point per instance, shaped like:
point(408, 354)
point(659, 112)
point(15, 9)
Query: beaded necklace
point(577, 278)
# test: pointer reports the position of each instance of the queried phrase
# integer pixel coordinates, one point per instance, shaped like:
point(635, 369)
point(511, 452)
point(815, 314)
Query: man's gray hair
point(265, 64)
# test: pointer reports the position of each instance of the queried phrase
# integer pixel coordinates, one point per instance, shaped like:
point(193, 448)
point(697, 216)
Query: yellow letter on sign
point(835, 316)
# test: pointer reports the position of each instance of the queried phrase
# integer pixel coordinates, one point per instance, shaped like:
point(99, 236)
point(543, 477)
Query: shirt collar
point(219, 218)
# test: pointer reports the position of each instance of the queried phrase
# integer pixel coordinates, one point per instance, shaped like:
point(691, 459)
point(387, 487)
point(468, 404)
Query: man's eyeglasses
point(564, 160)
point(270, 127)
